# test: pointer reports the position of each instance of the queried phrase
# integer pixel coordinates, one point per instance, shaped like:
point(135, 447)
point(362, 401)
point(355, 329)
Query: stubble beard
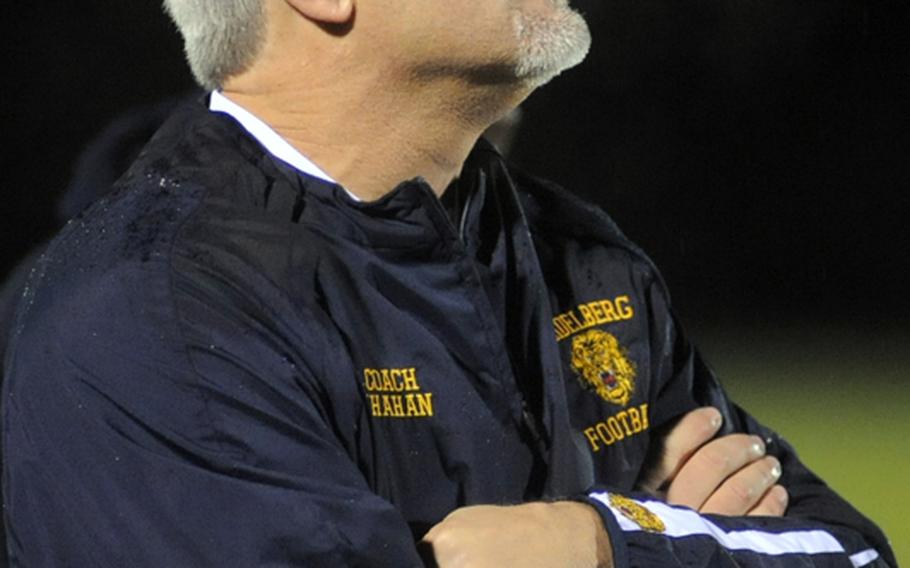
point(549, 44)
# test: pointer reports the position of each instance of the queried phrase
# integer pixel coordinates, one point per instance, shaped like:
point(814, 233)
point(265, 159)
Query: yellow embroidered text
point(622, 425)
point(396, 393)
point(598, 312)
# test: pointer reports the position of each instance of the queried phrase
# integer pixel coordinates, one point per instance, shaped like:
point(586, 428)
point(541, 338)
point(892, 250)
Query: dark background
point(756, 149)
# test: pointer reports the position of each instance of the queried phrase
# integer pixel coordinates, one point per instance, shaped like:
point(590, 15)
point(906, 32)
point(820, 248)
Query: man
point(314, 325)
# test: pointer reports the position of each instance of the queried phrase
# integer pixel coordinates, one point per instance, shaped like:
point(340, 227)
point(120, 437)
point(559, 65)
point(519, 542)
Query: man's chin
point(550, 45)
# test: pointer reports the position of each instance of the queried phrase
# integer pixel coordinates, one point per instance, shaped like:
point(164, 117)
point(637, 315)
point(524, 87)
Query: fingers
point(689, 434)
point(705, 471)
point(773, 504)
point(746, 489)
point(727, 476)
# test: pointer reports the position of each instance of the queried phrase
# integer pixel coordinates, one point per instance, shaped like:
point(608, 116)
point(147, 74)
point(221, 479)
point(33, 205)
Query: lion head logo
point(602, 366)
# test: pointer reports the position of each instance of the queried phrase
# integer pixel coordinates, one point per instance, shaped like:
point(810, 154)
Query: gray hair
point(221, 38)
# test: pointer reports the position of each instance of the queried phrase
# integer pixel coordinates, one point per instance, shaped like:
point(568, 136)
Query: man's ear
point(325, 11)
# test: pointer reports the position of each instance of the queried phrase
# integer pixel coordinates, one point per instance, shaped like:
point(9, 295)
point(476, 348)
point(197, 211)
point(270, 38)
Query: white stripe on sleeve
point(681, 523)
point(865, 557)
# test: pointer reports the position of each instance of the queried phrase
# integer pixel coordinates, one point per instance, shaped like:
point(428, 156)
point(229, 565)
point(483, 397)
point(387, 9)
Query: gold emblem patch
point(638, 514)
point(603, 366)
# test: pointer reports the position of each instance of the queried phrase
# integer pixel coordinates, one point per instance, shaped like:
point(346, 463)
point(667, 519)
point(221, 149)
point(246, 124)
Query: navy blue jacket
point(226, 362)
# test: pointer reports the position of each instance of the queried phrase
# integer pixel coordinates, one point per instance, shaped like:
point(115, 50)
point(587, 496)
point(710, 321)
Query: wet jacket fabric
point(226, 362)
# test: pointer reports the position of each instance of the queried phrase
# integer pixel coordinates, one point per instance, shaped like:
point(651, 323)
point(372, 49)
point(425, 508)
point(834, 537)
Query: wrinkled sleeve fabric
point(140, 430)
point(819, 528)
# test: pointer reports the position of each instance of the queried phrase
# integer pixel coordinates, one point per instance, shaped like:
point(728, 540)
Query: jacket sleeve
point(137, 437)
point(819, 528)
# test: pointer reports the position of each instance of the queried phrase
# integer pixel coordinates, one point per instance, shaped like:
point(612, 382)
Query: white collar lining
point(270, 140)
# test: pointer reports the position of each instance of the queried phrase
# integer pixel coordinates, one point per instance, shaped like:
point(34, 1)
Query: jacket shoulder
point(555, 214)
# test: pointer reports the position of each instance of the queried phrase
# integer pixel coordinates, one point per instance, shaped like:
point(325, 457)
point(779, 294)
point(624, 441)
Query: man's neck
point(371, 132)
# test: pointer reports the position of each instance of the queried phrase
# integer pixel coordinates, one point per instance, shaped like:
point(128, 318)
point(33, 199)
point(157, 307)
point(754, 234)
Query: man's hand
point(563, 533)
point(726, 476)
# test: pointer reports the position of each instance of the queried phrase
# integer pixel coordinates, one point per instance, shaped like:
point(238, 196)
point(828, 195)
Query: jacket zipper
point(459, 247)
